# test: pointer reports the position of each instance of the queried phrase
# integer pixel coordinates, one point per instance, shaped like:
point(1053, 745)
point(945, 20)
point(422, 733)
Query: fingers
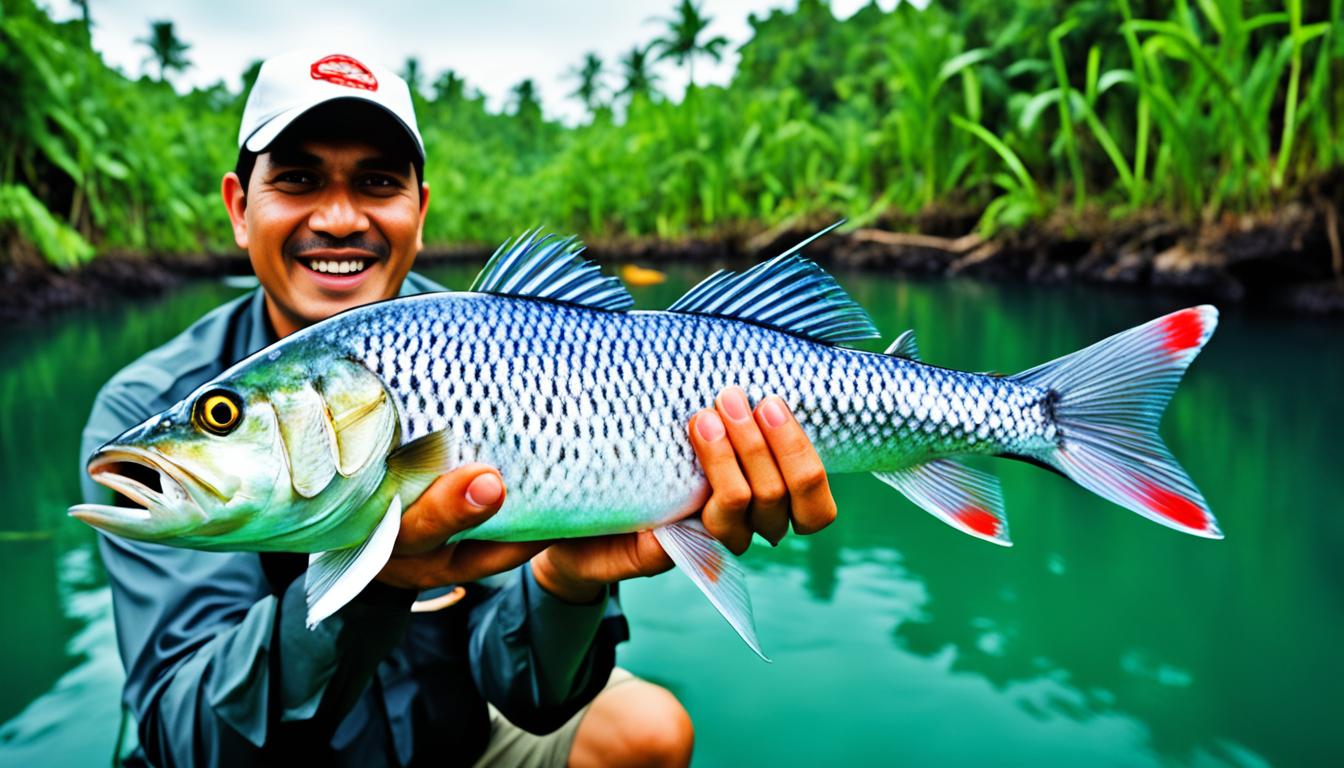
point(768, 512)
point(458, 563)
point(813, 508)
point(725, 513)
point(474, 560)
point(461, 499)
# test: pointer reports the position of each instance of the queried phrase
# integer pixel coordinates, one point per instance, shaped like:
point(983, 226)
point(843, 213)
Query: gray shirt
point(220, 669)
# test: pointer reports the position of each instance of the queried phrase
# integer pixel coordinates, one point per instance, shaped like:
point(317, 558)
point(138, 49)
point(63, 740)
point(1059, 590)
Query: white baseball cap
point(290, 85)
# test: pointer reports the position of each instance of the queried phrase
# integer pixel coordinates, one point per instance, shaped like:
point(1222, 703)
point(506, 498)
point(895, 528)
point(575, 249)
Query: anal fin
point(335, 577)
point(715, 571)
point(964, 498)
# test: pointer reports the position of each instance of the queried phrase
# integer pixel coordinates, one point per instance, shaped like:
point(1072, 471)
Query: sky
point(492, 44)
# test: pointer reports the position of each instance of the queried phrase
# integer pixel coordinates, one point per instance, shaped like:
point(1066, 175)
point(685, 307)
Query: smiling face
point(329, 224)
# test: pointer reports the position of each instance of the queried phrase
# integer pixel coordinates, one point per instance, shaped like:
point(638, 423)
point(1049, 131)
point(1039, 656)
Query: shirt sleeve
point(219, 670)
point(538, 659)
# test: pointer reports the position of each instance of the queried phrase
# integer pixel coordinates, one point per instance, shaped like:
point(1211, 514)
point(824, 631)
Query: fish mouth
point(145, 478)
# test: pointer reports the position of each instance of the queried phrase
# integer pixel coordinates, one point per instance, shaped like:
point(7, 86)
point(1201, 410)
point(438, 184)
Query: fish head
point(267, 457)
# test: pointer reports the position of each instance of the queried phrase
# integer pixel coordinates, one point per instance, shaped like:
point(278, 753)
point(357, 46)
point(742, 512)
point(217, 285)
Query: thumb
point(461, 499)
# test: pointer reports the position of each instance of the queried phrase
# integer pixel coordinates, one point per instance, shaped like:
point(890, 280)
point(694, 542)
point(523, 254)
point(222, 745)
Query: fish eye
point(219, 411)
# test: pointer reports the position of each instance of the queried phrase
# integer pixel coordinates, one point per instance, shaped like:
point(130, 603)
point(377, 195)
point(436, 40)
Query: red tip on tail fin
point(1172, 505)
point(1183, 330)
point(1108, 401)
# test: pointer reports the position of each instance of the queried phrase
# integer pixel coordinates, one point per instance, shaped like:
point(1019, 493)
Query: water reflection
point(1099, 637)
point(74, 720)
point(27, 667)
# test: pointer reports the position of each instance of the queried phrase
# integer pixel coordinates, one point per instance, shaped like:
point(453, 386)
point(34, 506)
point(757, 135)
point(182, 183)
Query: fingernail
point(734, 403)
point(710, 426)
point(485, 490)
point(772, 412)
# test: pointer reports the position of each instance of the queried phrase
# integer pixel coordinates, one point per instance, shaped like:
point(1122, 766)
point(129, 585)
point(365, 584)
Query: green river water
point(1099, 639)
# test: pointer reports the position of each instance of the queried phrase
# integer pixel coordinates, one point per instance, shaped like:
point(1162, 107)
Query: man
point(329, 201)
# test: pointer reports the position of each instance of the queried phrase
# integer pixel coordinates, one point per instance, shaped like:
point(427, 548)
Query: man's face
point(329, 225)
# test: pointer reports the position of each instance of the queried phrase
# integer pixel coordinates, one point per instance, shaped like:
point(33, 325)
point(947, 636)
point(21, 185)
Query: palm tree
point(83, 6)
point(412, 74)
point(589, 75)
point(250, 75)
point(165, 48)
point(526, 101)
point(682, 39)
point(639, 78)
point(449, 87)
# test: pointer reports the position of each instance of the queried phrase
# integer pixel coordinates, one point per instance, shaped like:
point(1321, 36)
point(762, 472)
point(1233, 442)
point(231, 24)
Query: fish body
point(316, 443)
point(585, 412)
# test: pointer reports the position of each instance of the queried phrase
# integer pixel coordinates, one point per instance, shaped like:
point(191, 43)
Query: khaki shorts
point(512, 746)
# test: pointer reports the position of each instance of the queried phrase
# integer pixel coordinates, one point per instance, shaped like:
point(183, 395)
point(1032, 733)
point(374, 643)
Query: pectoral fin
point(715, 571)
point(418, 463)
point(427, 455)
point(335, 577)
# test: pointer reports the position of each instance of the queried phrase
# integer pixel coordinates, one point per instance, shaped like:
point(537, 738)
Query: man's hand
point(763, 475)
point(459, 500)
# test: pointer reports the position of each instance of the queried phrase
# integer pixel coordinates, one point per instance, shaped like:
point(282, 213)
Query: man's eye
point(379, 180)
point(296, 177)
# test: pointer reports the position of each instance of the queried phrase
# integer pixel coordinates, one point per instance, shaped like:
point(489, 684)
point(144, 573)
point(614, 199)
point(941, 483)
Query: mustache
point(360, 242)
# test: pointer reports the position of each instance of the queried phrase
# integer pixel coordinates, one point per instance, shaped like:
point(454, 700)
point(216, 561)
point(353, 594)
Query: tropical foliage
point(1193, 108)
point(92, 161)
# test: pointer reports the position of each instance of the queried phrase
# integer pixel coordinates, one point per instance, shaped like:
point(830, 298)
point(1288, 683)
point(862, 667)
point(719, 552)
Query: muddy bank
point(29, 289)
point(1291, 259)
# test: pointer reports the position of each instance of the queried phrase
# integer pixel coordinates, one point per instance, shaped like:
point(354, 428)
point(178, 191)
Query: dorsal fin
point(537, 266)
point(904, 346)
point(788, 293)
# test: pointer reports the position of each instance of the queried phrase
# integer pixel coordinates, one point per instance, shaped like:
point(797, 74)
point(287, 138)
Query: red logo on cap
point(344, 70)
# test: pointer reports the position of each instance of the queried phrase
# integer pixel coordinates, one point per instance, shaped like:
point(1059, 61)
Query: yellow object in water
point(633, 274)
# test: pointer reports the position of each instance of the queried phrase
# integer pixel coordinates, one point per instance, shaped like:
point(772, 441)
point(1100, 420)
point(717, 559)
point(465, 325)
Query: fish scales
point(585, 412)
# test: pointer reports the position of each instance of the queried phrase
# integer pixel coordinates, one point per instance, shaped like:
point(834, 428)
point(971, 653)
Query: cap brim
point(269, 131)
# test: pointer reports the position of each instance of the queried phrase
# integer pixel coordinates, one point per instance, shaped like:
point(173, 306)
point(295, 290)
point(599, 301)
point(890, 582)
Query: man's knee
point(659, 729)
point(635, 724)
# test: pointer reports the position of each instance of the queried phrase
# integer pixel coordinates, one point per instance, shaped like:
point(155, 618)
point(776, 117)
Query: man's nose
point(338, 213)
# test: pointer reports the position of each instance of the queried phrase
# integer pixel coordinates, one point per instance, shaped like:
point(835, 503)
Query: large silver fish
point(315, 443)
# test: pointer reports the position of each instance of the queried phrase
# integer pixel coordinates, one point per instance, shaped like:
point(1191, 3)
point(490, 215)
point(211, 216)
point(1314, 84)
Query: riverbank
point(1291, 259)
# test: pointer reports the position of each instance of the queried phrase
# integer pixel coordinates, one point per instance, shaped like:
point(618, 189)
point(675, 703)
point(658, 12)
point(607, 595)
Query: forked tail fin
point(1109, 401)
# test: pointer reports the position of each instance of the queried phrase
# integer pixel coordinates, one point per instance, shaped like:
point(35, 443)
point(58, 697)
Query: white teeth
point(338, 267)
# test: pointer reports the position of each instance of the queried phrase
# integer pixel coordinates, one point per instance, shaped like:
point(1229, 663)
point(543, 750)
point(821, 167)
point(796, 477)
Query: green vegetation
point(93, 162)
point(1192, 108)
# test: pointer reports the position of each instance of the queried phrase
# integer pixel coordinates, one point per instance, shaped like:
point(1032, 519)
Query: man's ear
point(424, 206)
point(235, 202)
